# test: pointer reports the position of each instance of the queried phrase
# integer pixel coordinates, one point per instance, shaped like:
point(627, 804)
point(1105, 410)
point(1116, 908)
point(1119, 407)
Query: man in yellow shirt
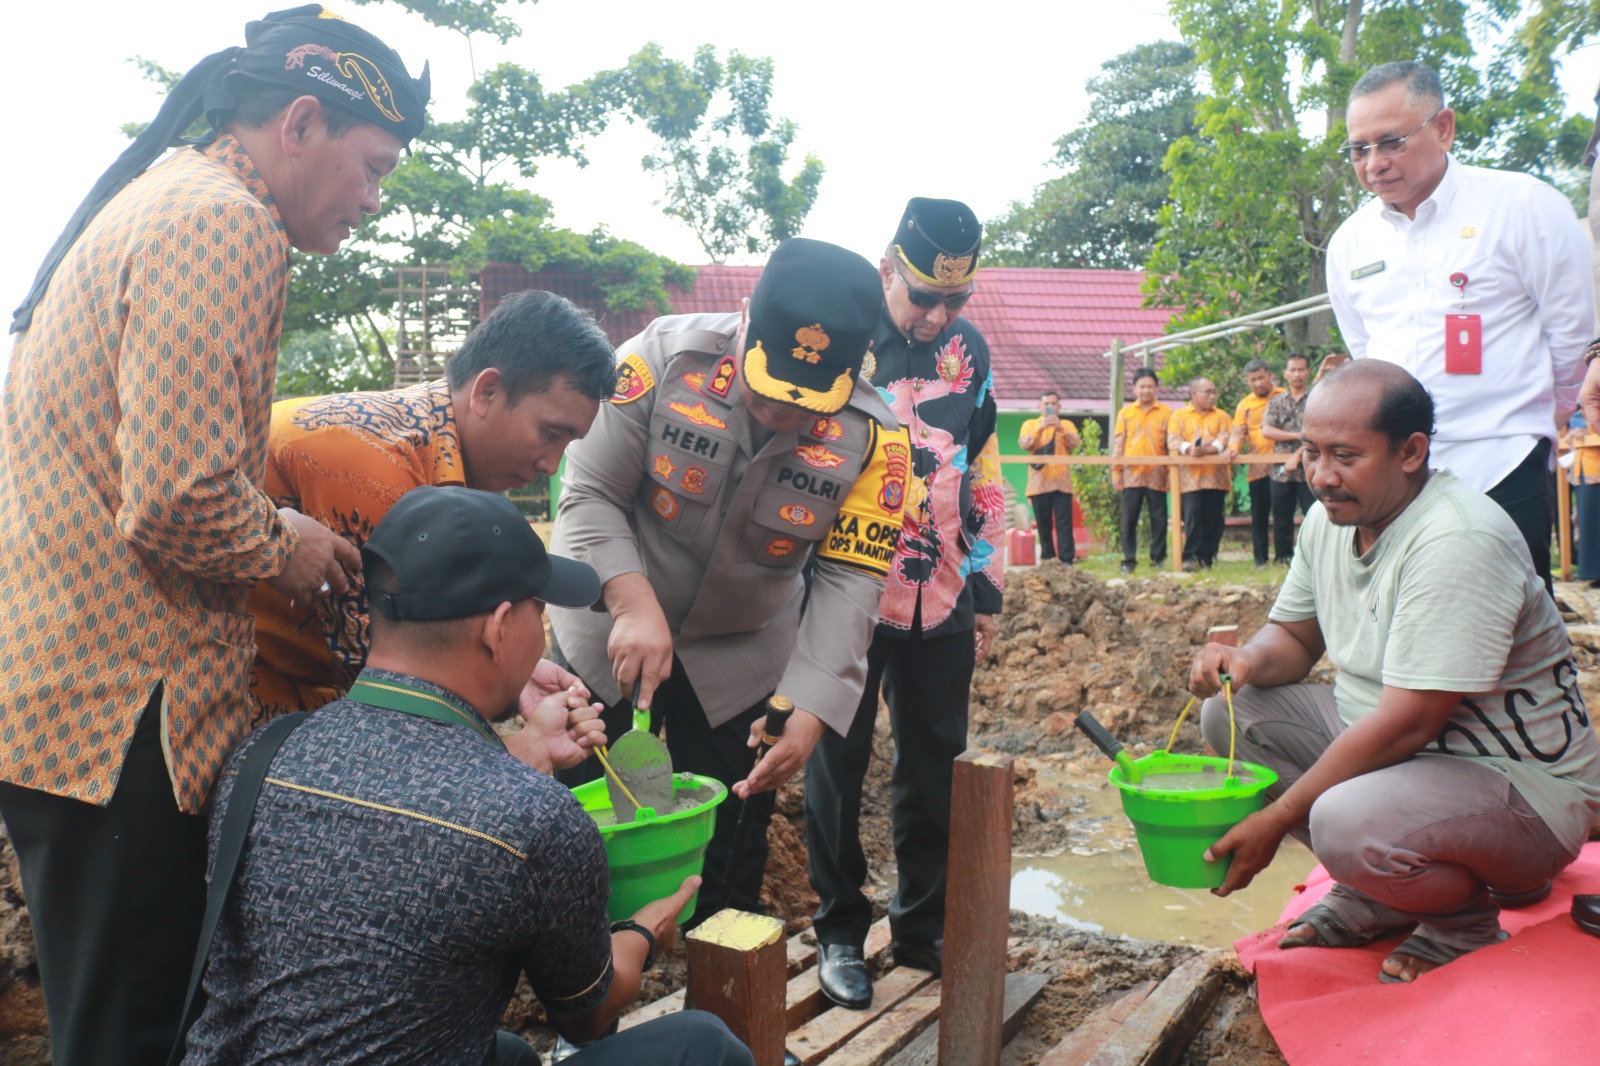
point(1141, 429)
point(1050, 484)
point(1198, 430)
point(1247, 439)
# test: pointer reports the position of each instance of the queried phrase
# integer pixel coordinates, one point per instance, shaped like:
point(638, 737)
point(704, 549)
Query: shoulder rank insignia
point(633, 380)
point(722, 380)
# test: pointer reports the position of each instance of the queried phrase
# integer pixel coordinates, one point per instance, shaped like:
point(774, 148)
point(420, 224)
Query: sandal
point(1329, 931)
point(1418, 946)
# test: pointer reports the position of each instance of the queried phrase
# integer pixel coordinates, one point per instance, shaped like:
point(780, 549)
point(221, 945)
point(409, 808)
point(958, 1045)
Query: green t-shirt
point(1447, 600)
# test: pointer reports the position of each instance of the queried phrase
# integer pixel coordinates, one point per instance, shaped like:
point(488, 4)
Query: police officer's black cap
point(811, 322)
point(457, 552)
point(938, 241)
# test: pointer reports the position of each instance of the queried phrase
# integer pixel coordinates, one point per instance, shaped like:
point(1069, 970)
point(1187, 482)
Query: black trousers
point(719, 753)
point(1155, 502)
point(1286, 495)
point(1527, 494)
point(683, 1038)
point(1202, 524)
point(1052, 513)
point(1260, 515)
point(115, 895)
point(925, 682)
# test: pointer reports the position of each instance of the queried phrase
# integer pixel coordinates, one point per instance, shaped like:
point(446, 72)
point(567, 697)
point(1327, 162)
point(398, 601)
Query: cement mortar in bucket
point(1182, 804)
point(648, 858)
point(1178, 818)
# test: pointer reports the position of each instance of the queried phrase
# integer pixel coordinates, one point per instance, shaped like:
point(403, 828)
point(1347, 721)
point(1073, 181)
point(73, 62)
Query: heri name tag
point(1371, 268)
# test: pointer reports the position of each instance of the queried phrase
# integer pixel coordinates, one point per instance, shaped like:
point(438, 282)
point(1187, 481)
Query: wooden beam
point(1022, 991)
point(1080, 1045)
point(1228, 635)
point(828, 1031)
point(1175, 519)
point(878, 1042)
point(1564, 522)
point(738, 963)
point(1160, 1029)
point(977, 910)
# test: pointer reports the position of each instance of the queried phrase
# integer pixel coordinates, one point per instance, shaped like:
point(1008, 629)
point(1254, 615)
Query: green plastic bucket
point(650, 857)
point(1175, 826)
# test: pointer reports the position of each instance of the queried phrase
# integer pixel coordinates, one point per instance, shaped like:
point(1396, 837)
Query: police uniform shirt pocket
point(690, 453)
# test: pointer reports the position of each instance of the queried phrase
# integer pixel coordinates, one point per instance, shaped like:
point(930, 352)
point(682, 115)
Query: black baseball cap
point(458, 552)
point(811, 322)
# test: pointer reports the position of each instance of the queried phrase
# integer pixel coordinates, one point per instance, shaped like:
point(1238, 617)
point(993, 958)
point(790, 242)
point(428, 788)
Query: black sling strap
point(230, 846)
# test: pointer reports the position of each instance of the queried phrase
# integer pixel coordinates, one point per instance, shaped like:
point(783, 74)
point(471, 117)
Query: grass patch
point(1228, 571)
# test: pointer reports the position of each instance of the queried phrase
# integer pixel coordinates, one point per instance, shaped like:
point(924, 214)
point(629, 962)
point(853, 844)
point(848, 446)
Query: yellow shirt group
point(1140, 432)
point(1213, 427)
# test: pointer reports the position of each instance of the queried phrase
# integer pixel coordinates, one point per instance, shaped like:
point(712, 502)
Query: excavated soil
point(1067, 642)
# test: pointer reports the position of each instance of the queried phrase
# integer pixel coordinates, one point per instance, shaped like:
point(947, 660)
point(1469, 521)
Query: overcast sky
point(898, 99)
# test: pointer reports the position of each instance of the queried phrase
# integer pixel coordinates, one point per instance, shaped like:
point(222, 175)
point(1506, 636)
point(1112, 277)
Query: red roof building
point(1047, 329)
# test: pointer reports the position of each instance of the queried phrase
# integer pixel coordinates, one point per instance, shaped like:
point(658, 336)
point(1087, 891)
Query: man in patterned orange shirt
point(132, 519)
point(1141, 429)
point(527, 382)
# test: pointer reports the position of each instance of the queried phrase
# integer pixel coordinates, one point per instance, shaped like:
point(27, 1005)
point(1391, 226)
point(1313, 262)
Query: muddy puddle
point(1098, 884)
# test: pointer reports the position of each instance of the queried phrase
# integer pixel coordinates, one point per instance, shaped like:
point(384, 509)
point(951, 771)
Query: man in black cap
point(940, 599)
point(132, 521)
point(737, 448)
point(402, 867)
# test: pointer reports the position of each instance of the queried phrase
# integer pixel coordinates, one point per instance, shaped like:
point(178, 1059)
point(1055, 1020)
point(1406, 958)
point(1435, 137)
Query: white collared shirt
point(1526, 258)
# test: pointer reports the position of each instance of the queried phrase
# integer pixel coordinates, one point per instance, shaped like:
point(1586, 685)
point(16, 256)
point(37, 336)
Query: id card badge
point(1463, 344)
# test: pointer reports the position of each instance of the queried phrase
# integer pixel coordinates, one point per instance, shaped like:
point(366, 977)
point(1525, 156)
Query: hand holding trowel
point(639, 768)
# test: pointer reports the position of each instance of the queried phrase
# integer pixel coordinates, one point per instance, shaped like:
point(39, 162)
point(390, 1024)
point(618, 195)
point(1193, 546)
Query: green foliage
point(466, 17)
point(722, 154)
point(1258, 190)
point(1104, 211)
point(320, 362)
point(1091, 484)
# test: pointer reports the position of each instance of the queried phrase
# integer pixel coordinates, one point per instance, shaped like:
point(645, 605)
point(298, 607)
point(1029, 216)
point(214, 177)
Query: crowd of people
point(255, 653)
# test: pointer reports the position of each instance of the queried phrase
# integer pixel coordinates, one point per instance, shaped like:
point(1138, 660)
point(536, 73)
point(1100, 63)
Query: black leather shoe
point(928, 957)
point(790, 1058)
point(1586, 912)
point(842, 973)
point(1513, 900)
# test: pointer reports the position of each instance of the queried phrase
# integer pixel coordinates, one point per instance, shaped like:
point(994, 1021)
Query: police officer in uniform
point(937, 617)
point(736, 448)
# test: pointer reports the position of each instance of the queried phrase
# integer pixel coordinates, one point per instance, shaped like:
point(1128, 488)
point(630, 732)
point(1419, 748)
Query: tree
point(1103, 212)
point(722, 154)
point(1259, 189)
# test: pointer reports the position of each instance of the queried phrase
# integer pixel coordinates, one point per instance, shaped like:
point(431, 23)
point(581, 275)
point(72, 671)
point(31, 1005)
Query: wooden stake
point(1228, 635)
point(738, 970)
point(1175, 518)
point(977, 911)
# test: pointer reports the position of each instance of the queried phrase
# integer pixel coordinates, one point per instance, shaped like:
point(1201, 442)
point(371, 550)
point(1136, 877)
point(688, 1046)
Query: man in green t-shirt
point(1456, 690)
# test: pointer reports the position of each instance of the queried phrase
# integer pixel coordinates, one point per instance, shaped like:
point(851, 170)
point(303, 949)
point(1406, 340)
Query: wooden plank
point(828, 1031)
point(878, 1042)
point(1228, 635)
point(1175, 519)
point(1564, 523)
point(1159, 1030)
point(737, 970)
point(977, 910)
point(803, 1000)
point(1022, 991)
point(1080, 1045)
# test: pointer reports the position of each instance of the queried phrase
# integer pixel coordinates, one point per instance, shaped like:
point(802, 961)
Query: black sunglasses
point(925, 300)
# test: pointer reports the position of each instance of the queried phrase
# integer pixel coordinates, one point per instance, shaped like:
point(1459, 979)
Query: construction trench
point(1050, 991)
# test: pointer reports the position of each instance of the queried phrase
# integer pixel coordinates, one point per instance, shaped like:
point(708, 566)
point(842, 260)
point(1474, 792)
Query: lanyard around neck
point(394, 695)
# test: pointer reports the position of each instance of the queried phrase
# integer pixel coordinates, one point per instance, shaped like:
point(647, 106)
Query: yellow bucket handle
point(1227, 691)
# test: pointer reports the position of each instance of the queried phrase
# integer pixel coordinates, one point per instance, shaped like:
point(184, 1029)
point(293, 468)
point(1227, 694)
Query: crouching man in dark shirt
point(402, 865)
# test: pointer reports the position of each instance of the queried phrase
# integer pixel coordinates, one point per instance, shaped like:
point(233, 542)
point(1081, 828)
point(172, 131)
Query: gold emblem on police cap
point(950, 269)
point(813, 339)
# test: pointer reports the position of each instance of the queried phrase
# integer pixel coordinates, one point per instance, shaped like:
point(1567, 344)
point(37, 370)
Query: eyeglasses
point(1389, 147)
point(926, 300)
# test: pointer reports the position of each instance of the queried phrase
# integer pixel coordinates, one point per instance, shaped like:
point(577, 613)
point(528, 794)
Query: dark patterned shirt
point(133, 444)
point(344, 460)
point(398, 873)
point(1286, 413)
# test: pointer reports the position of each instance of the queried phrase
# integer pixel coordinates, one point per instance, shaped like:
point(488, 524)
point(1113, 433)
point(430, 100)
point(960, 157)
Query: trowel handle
point(641, 715)
point(779, 708)
point(1091, 728)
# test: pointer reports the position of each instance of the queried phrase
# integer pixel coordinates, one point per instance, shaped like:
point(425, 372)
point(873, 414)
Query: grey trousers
point(1421, 842)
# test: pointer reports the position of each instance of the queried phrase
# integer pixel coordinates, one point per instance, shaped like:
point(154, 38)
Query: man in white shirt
point(1474, 280)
